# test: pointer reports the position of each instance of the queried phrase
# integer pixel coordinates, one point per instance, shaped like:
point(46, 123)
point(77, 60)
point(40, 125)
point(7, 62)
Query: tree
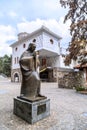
point(1, 69)
point(78, 29)
point(5, 65)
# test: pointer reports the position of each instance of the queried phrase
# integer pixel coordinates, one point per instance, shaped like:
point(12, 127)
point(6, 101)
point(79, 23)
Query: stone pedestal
point(31, 111)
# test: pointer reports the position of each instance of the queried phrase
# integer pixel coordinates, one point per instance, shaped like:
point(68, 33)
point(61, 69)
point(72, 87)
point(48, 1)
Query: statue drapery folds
point(29, 63)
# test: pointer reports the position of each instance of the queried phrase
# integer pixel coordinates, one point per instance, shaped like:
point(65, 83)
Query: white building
point(48, 45)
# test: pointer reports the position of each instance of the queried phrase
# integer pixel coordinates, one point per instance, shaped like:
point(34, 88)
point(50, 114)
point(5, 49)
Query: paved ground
point(68, 109)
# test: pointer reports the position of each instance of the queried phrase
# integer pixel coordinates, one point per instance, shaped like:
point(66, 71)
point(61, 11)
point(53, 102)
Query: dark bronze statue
point(29, 62)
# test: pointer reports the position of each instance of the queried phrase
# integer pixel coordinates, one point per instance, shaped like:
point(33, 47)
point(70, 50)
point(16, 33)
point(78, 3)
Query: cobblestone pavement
point(68, 109)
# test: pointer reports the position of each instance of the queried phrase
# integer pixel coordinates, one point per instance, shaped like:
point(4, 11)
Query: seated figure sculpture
point(29, 62)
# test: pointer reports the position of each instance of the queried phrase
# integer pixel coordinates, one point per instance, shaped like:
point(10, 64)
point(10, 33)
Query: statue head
point(31, 47)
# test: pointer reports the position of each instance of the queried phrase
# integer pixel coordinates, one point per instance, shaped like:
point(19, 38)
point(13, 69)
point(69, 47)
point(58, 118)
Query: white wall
point(20, 49)
point(42, 42)
point(62, 65)
point(48, 45)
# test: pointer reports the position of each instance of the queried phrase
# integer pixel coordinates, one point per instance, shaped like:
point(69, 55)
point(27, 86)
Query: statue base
point(31, 111)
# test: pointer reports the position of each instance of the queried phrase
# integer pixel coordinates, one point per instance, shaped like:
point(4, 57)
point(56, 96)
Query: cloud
point(29, 27)
point(5, 49)
point(7, 34)
point(12, 14)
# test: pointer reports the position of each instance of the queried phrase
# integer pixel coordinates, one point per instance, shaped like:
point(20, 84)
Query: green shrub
point(80, 88)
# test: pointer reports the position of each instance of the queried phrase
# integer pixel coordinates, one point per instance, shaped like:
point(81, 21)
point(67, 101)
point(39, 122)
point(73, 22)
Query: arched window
point(15, 60)
point(34, 40)
point(16, 49)
point(24, 45)
point(51, 41)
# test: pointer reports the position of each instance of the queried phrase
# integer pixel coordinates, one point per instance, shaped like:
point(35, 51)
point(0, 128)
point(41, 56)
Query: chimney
point(22, 35)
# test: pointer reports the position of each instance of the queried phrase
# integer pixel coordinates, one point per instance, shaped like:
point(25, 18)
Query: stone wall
point(66, 78)
point(70, 79)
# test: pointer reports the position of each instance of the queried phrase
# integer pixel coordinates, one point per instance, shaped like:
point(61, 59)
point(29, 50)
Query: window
point(15, 60)
point(16, 49)
point(34, 40)
point(51, 41)
point(24, 45)
point(44, 61)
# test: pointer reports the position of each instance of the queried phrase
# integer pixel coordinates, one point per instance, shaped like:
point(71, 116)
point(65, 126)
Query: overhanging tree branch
point(78, 29)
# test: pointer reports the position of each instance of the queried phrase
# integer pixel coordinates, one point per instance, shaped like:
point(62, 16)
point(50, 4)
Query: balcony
point(47, 53)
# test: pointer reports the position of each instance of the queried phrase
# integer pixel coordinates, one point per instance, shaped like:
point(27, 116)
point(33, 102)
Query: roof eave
point(35, 32)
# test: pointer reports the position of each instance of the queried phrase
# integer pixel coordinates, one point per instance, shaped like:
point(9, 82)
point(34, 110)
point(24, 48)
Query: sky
point(28, 15)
